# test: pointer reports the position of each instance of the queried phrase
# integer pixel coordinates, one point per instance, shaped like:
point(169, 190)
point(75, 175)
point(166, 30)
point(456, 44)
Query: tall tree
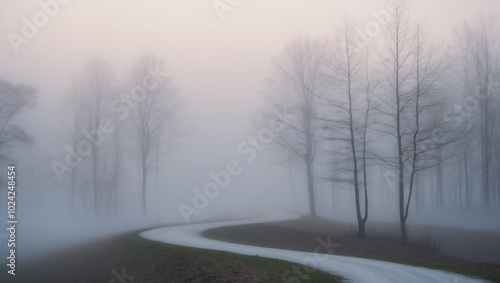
point(479, 50)
point(74, 178)
point(153, 118)
point(297, 81)
point(112, 159)
point(399, 67)
point(94, 88)
point(412, 104)
point(350, 98)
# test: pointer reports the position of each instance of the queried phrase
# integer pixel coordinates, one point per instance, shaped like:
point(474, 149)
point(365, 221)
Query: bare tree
point(295, 86)
point(112, 158)
point(14, 99)
point(350, 102)
point(153, 118)
point(75, 177)
point(94, 88)
point(479, 52)
point(92, 151)
point(412, 70)
point(399, 67)
point(464, 113)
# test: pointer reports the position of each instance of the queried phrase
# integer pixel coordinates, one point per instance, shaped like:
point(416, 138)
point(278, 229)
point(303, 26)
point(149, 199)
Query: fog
point(219, 64)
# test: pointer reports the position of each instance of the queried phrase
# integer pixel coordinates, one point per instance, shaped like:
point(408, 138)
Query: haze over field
point(216, 77)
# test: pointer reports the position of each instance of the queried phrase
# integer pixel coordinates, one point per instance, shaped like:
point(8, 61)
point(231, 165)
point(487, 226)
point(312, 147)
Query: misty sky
point(218, 67)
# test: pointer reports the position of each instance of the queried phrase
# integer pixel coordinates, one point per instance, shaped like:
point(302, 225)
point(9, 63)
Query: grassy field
point(130, 258)
point(302, 234)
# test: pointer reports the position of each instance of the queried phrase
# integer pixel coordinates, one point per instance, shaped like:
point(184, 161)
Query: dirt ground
point(306, 234)
point(131, 259)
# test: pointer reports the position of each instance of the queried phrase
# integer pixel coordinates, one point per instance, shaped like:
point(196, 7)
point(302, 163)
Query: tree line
point(109, 126)
point(399, 102)
point(110, 121)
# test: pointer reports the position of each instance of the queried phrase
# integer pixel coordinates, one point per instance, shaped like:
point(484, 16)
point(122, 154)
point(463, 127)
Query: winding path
point(354, 269)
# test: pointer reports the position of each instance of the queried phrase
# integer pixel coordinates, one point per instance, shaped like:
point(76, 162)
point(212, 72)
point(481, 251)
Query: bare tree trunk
point(144, 177)
point(401, 189)
point(439, 183)
point(84, 204)
point(460, 176)
point(361, 224)
point(157, 184)
point(73, 171)
point(117, 164)
point(418, 195)
point(485, 150)
point(363, 220)
point(94, 180)
point(365, 177)
point(309, 156)
point(72, 197)
point(466, 165)
point(310, 189)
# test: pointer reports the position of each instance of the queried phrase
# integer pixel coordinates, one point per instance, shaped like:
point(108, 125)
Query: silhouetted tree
point(297, 81)
point(153, 118)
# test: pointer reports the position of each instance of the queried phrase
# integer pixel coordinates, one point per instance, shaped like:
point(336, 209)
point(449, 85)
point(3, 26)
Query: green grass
point(234, 235)
point(152, 261)
point(273, 268)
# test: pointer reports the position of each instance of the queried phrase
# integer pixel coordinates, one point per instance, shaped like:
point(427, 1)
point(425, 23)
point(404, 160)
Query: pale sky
point(218, 66)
